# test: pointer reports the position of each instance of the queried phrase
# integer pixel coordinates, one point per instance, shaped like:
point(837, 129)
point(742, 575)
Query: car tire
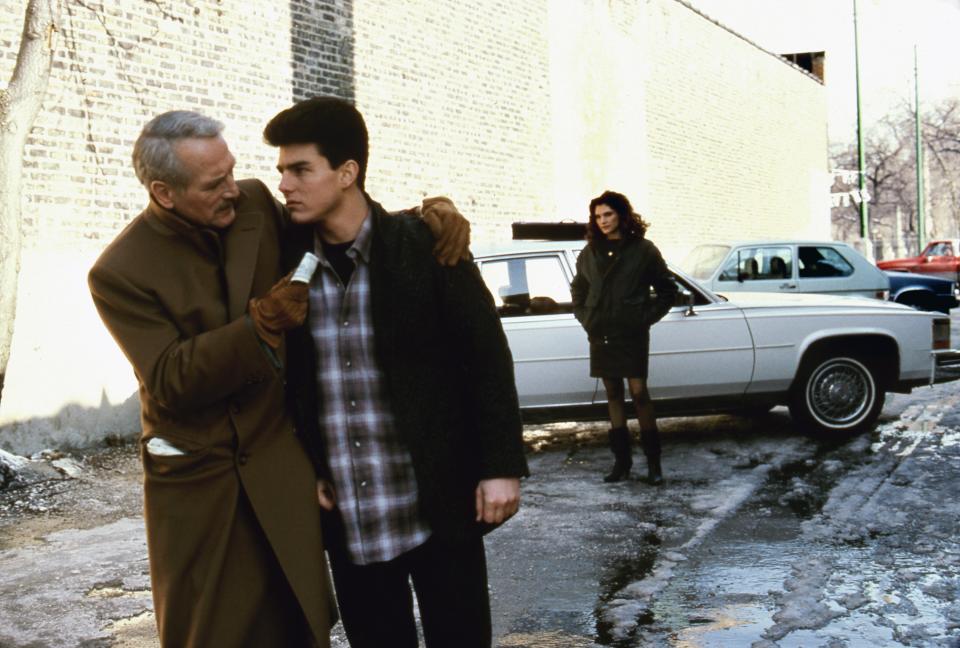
point(924, 301)
point(836, 394)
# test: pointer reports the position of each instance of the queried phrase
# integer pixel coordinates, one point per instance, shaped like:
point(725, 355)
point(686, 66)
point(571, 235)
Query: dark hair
point(631, 225)
point(333, 125)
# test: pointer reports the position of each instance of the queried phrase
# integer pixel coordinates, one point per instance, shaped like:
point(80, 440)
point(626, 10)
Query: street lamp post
point(921, 220)
point(864, 222)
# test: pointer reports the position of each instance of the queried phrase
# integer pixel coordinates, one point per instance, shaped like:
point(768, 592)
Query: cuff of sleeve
point(269, 352)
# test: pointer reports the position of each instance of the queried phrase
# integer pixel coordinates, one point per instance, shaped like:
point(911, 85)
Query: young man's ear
point(347, 173)
point(162, 193)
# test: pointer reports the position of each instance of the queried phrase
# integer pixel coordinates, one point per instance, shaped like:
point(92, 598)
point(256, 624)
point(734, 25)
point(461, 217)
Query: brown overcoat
point(233, 525)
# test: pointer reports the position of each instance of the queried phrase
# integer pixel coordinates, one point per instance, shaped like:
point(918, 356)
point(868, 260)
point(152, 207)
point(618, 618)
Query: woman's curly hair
point(631, 224)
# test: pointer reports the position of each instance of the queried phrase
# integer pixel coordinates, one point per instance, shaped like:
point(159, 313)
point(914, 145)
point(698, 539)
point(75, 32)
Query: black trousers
point(450, 579)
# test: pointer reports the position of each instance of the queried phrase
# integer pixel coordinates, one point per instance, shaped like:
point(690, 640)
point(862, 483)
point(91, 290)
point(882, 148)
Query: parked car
point(939, 259)
point(829, 359)
point(828, 267)
point(925, 292)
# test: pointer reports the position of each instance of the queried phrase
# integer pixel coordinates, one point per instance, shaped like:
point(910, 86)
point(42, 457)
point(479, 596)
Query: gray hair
point(154, 157)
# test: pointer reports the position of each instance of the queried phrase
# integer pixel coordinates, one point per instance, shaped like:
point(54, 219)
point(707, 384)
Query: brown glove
point(449, 227)
point(284, 307)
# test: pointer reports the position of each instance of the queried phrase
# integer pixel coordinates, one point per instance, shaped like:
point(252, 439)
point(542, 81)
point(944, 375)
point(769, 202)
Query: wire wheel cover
point(840, 392)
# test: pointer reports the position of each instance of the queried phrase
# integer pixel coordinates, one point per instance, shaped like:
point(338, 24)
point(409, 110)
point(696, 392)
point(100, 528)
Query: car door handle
point(788, 286)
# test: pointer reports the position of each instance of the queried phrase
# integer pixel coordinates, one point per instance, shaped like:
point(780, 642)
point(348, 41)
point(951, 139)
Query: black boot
point(620, 445)
point(650, 440)
point(654, 473)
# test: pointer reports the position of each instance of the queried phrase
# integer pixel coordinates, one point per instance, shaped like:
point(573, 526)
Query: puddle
point(720, 596)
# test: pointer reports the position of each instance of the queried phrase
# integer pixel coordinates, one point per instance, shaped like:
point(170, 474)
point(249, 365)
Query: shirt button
point(353, 403)
point(349, 364)
point(242, 459)
point(356, 444)
point(363, 483)
point(346, 323)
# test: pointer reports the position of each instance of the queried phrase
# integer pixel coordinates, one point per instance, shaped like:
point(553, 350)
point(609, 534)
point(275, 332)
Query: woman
point(613, 302)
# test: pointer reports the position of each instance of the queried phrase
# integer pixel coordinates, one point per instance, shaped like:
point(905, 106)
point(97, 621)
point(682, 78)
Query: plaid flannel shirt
point(371, 467)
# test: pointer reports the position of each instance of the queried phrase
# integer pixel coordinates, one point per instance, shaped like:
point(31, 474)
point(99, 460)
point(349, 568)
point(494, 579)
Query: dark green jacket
point(449, 371)
point(616, 303)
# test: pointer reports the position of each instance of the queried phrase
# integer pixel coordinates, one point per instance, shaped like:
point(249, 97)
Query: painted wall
point(518, 111)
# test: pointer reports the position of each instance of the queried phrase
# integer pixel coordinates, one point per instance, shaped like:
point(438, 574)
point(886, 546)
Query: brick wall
point(517, 110)
point(117, 67)
point(737, 138)
point(457, 102)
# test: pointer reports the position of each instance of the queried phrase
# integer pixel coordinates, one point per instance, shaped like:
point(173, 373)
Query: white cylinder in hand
point(304, 271)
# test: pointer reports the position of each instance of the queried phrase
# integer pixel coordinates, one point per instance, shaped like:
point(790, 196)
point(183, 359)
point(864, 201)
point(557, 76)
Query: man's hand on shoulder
point(449, 227)
point(497, 499)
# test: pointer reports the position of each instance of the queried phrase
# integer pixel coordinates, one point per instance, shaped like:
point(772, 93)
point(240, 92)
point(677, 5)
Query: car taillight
point(941, 333)
point(882, 294)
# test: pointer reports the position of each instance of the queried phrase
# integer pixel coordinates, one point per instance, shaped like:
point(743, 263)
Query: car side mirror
point(691, 300)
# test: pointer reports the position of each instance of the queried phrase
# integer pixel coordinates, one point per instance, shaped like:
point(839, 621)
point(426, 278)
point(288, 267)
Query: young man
point(404, 374)
point(190, 292)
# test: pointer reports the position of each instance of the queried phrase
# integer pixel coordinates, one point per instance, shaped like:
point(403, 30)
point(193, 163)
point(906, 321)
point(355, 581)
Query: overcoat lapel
point(241, 247)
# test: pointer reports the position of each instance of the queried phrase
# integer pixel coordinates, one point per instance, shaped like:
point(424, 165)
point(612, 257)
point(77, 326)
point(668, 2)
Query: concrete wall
point(518, 111)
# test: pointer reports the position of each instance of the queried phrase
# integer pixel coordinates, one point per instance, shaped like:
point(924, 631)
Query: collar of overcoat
point(234, 248)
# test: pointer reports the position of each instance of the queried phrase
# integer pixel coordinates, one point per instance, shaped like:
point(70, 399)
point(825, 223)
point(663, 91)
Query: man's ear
point(347, 173)
point(162, 193)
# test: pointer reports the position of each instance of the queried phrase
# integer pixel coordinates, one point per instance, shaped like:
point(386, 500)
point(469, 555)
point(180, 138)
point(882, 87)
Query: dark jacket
point(449, 372)
point(613, 300)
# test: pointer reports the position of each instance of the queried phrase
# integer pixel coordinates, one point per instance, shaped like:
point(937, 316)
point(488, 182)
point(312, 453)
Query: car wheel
point(836, 394)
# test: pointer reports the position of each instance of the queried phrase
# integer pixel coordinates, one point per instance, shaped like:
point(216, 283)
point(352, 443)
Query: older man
point(190, 292)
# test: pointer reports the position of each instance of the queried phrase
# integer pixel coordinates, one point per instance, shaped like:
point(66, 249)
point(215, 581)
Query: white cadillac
point(830, 359)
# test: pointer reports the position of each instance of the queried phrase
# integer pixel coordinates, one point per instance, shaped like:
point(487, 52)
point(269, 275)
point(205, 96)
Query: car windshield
point(703, 260)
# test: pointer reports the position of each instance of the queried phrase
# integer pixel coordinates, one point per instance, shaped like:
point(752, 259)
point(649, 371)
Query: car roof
point(516, 247)
point(780, 242)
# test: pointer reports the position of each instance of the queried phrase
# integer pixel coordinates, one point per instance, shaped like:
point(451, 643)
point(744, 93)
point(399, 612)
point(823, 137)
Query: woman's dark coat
point(613, 300)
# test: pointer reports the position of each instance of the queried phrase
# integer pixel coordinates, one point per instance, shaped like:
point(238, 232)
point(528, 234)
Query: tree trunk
point(19, 105)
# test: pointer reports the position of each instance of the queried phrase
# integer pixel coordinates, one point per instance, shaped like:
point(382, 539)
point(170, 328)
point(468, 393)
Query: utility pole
point(921, 194)
point(861, 164)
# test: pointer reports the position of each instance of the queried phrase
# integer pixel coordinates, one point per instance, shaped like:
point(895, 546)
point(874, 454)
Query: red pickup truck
point(938, 258)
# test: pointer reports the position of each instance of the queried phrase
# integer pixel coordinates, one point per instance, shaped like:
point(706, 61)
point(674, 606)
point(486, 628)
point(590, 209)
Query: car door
point(703, 352)
point(941, 262)
point(759, 268)
point(551, 356)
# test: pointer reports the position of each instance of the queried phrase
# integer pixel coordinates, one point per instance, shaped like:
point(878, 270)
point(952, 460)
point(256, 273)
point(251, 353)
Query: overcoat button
point(242, 459)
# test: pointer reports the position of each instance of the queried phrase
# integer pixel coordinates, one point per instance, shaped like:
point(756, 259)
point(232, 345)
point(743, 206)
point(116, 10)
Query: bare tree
point(941, 131)
point(890, 180)
point(19, 104)
point(891, 170)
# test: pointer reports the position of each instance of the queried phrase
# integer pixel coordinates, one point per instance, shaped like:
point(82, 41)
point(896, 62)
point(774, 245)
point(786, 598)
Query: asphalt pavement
point(761, 537)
